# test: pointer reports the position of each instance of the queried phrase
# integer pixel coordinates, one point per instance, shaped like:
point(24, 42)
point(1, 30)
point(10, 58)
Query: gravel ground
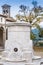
point(38, 54)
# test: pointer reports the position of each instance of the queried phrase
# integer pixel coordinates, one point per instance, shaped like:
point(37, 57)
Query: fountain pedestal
point(19, 37)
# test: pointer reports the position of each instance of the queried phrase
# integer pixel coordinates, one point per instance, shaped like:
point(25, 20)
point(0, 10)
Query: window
point(7, 34)
point(4, 11)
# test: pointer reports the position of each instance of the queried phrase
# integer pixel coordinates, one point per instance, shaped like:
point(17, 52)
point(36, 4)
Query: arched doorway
point(1, 38)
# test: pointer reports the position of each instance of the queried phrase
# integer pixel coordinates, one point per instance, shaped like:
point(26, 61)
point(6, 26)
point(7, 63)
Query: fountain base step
point(13, 60)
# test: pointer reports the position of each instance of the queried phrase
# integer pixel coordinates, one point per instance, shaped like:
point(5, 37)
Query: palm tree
point(37, 9)
point(34, 3)
point(31, 17)
point(23, 9)
point(18, 17)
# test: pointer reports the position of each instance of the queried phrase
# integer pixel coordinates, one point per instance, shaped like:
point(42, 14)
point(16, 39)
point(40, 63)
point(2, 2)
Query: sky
point(16, 3)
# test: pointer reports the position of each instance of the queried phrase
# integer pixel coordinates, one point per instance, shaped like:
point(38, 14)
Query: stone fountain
point(19, 38)
point(18, 46)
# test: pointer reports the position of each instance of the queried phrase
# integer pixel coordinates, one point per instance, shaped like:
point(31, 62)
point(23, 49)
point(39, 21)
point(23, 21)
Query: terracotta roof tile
point(3, 15)
point(10, 19)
